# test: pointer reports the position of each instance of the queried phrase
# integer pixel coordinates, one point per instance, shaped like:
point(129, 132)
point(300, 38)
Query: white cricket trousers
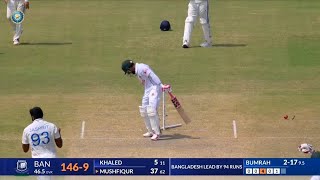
point(15, 5)
point(197, 9)
point(149, 109)
point(152, 97)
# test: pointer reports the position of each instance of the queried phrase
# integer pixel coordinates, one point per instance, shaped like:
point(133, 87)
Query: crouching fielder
point(197, 8)
point(12, 6)
point(151, 98)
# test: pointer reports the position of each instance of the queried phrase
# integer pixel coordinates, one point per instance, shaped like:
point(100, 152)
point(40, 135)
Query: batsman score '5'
point(179, 108)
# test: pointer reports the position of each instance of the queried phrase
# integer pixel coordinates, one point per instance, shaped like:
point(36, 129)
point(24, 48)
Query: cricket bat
point(179, 108)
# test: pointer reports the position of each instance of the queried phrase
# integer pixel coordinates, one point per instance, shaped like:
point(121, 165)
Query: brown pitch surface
point(114, 128)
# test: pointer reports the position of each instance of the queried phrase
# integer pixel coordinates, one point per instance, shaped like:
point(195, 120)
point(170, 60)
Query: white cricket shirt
point(147, 76)
point(41, 135)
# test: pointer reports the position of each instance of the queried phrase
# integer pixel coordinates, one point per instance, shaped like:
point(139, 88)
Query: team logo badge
point(22, 166)
point(17, 17)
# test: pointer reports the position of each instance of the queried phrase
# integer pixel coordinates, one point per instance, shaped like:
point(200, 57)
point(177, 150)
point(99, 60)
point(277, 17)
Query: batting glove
point(166, 88)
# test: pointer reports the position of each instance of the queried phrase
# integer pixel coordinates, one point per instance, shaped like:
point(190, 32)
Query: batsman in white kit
point(197, 8)
point(12, 6)
point(151, 98)
point(42, 136)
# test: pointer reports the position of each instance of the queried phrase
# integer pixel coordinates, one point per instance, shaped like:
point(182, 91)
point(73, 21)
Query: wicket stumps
point(164, 115)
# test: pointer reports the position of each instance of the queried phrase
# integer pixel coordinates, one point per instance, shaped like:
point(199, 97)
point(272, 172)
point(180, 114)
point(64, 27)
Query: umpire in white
point(12, 6)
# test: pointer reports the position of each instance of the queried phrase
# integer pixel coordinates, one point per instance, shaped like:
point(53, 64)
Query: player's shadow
point(46, 43)
point(176, 136)
point(229, 45)
point(168, 30)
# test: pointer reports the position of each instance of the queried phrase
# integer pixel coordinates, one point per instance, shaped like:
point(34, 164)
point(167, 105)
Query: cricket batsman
point(151, 98)
point(12, 6)
point(197, 8)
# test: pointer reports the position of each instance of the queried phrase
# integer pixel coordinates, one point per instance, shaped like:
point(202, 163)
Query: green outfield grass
point(266, 52)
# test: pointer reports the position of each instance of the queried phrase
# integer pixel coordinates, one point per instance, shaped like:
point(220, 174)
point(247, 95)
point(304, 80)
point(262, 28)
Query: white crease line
point(234, 125)
point(82, 129)
point(200, 138)
point(108, 130)
point(140, 130)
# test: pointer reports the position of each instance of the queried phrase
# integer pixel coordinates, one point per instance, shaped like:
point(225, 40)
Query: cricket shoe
point(148, 134)
point(16, 42)
point(206, 44)
point(155, 137)
point(185, 44)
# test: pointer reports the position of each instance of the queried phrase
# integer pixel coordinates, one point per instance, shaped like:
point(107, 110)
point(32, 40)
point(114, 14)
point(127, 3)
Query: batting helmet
point(126, 65)
point(165, 25)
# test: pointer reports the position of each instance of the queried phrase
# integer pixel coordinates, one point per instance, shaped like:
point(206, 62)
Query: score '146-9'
point(74, 167)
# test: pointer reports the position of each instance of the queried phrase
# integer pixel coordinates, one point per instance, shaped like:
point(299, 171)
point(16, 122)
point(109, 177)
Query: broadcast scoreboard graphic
point(273, 166)
point(159, 166)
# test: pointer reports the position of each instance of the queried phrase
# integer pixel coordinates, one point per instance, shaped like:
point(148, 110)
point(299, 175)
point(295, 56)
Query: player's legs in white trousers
point(144, 115)
point(196, 10)
point(149, 111)
point(191, 19)
point(205, 23)
point(12, 6)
